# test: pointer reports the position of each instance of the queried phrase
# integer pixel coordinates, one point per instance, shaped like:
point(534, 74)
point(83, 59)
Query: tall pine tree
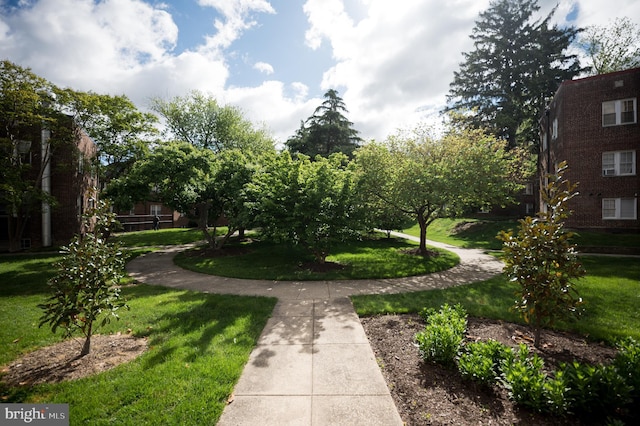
point(327, 131)
point(517, 64)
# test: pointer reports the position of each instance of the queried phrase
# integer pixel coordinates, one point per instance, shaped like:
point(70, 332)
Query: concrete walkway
point(313, 364)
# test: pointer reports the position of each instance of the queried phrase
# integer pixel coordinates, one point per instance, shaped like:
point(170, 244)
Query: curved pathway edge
point(312, 364)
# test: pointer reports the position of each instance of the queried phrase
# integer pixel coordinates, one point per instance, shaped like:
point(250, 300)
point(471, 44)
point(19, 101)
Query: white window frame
point(528, 188)
point(155, 209)
point(614, 109)
point(611, 163)
point(612, 208)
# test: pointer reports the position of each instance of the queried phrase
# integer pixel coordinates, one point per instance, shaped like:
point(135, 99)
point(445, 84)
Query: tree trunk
point(423, 234)
point(537, 331)
point(86, 348)
point(203, 219)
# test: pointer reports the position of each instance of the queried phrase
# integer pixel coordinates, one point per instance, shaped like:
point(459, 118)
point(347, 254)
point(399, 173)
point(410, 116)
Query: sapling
point(85, 287)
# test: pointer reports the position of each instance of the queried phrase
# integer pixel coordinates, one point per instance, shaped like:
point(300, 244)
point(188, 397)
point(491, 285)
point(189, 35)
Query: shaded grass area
point(482, 234)
point(161, 237)
point(370, 258)
point(199, 344)
point(611, 291)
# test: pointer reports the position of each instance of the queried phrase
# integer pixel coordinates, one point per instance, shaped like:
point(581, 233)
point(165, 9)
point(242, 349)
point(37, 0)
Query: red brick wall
point(582, 139)
point(73, 187)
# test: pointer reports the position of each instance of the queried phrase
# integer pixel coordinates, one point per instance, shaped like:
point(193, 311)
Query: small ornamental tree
point(543, 261)
point(84, 289)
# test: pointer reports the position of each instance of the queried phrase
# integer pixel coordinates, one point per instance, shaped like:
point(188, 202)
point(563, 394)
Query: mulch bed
point(429, 394)
point(62, 361)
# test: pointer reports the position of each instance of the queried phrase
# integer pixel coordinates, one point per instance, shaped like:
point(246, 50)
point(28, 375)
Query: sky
point(390, 61)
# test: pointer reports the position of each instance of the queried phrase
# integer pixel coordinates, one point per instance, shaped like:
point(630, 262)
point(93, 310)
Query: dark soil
point(62, 362)
point(429, 394)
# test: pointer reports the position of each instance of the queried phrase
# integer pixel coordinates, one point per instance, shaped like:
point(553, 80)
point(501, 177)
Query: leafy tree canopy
point(426, 178)
point(327, 131)
point(27, 107)
point(309, 203)
point(199, 120)
point(121, 132)
point(615, 47)
point(192, 180)
point(516, 65)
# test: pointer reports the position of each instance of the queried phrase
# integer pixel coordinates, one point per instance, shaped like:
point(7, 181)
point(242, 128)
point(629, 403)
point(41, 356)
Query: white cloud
point(87, 45)
point(237, 18)
point(393, 62)
point(397, 62)
point(263, 67)
point(270, 104)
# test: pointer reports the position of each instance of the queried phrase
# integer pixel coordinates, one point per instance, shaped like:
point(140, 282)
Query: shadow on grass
point(192, 321)
point(26, 276)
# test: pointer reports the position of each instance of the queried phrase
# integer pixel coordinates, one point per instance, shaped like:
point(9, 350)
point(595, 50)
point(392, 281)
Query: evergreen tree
point(327, 131)
point(517, 64)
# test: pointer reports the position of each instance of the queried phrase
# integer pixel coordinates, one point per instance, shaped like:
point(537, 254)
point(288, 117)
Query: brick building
point(140, 217)
point(592, 124)
point(67, 173)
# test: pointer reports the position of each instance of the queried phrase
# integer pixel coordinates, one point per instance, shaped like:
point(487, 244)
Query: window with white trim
point(619, 208)
point(528, 188)
point(155, 209)
point(619, 163)
point(615, 113)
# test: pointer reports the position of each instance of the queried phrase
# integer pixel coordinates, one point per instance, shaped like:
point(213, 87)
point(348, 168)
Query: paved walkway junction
point(313, 364)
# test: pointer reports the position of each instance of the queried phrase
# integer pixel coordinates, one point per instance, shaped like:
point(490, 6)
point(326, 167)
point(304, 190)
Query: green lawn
point(611, 290)
point(199, 344)
point(161, 237)
point(370, 258)
point(483, 234)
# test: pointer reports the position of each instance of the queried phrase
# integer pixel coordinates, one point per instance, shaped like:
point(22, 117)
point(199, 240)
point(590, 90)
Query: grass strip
point(611, 291)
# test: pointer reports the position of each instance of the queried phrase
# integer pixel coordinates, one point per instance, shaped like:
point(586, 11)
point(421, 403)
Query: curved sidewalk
point(313, 364)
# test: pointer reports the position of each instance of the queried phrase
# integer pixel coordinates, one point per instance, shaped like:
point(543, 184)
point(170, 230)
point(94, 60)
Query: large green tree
point(192, 180)
point(312, 204)
point(615, 47)
point(122, 132)
point(327, 131)
point(32, 130)
point(199, 119)
point(516, 65)
point(427, 178)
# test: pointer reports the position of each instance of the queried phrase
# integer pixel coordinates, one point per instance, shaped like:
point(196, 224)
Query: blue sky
point(391, 62)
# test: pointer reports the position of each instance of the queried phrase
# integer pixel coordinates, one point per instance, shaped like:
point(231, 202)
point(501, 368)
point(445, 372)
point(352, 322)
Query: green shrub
point(627, 362)
point(556, 394)
point(595, 389)
point(524, 378)
point(441, 339)
point(480, 361)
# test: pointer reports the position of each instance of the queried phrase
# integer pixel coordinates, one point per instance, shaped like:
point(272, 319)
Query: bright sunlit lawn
point(198, 346)
point(611, 291)
point(482, 234)
point(199, 343)
point(369, 258)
